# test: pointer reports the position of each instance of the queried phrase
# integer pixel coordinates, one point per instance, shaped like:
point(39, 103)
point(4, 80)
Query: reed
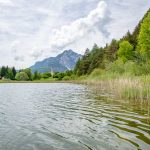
point(135, 88)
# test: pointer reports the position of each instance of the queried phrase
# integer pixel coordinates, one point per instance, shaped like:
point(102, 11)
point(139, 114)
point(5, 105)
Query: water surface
point(67, 117)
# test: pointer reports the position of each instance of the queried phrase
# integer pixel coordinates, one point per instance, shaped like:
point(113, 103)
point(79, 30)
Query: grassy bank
point(48, 80)
point(125, 86)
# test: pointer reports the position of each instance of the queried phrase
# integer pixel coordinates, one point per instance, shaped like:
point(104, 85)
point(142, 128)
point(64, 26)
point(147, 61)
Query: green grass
point(121, 86)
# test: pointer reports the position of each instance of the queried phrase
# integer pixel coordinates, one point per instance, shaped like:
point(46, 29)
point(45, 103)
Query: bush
point(116, 67)
point(97, 72)
point(73, 77)
point(66, 78)
point(46, 75)
point(132, 68)
point(129, 68)
point(125, 51)
point(22, 76)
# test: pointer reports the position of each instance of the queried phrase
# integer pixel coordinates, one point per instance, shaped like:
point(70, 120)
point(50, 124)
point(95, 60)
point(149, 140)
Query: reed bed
point(131, 88)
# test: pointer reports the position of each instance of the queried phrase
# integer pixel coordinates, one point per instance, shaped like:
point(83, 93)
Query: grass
point(48, 80)
point(125, 86)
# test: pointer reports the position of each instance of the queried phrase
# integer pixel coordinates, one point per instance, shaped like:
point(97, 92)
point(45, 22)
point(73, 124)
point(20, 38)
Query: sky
point(32, 30)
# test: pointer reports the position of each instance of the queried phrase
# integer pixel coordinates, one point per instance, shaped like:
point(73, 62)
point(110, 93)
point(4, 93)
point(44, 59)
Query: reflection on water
point(67, 117)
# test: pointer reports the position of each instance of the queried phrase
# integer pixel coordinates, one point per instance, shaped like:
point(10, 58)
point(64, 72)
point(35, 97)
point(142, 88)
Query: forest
point(8, 73)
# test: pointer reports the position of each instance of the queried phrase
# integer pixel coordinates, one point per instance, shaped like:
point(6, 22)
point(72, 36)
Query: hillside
point(60, 63)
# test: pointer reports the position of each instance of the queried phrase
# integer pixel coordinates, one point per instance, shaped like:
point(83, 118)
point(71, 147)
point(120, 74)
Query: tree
point(87, 51)
point(36, 76)
point(9, 74)
point(14, 72)
point(46, 75)
point(125, 51)
point(22, 76)
point(83, 64)
point(59, 75)
point(91, 60)
point(110, 51)
point(144, 39)
point(28, 72)
point(68, 73)
point(3, 71)
point(96, 58)
point(77, 66)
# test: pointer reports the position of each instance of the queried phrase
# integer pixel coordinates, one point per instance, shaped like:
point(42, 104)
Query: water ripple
point(67, 117)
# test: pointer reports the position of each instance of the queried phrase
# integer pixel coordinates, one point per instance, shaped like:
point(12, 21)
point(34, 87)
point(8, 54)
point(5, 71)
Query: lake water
point(67, 117)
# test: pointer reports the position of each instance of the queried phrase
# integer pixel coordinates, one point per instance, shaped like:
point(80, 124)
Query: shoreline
point(132, 88)
point(36, 81)
point(120, 89)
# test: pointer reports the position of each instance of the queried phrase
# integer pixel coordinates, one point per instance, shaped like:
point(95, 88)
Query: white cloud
point(19, 58)
point(67, 34)
point(4, 27)
point(6, 2)
point(35, 53)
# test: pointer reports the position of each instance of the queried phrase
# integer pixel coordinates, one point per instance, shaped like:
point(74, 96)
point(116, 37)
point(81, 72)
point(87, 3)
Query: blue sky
point(31, 30)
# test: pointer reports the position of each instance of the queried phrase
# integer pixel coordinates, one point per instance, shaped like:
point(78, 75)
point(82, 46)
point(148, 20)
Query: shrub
point(116, 67)
point(125, 51)
point(22, 76)
point(66, 78)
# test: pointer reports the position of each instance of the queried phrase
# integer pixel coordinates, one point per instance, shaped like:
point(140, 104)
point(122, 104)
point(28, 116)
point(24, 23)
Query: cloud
point(67, 34)
point(19, 58)
point(6, 2)
point(35, 53)
point(4, 27)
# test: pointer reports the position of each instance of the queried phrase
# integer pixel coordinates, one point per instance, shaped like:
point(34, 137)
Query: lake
point(64, 116)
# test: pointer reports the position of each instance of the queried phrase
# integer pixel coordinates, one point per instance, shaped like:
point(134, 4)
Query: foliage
point(29, 73)
point(110, 51)
point(65, 78)
point(8, 73)
point(125, 51)
point(26, 75)
point(144, 39)
point(46, 75)
point(90, 61)
point(36, 76)
point(22, 76)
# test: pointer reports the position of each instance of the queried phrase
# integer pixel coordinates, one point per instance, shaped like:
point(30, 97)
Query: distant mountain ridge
point(62, 62)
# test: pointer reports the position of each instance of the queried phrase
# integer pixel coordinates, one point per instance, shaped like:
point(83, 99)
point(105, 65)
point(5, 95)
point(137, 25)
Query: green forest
point(7, 73)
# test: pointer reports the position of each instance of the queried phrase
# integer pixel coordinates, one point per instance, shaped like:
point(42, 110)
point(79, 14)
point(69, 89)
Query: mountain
point(62, 62)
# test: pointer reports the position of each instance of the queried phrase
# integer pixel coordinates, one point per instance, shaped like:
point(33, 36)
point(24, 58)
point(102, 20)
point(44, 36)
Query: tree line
point(27, 75)
point(6, 72)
